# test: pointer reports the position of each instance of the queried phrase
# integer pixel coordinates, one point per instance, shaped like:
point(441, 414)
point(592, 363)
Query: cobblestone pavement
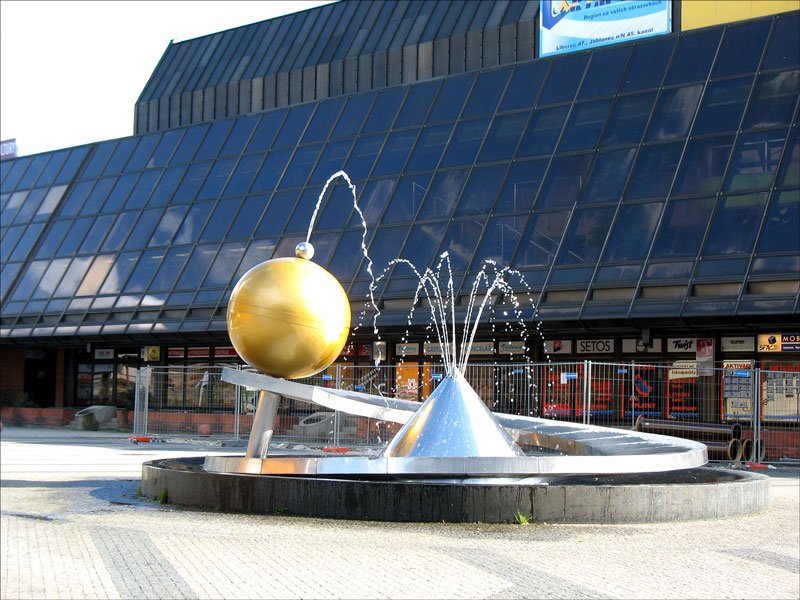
point(72, 526)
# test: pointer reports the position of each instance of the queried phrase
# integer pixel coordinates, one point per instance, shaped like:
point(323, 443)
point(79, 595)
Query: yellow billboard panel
point(703, 13)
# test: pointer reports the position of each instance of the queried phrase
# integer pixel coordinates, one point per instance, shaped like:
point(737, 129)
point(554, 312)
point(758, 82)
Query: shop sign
point(203, 352)
point(151, 353)
point(738, 343)
point(176, 352)
point(8, 149)
point(511, 347)
point(596, 346)
point(365, 350)
point(225, 352)
point(104, 354)
point(432, 348)
point(779, 342)
point(574, 25)
point(683, 390)
point(683, 345)
point(558, 346)
point(481, 348)
point(737, 389)
point(638, 346)
point(349, 349)
point(406, 349)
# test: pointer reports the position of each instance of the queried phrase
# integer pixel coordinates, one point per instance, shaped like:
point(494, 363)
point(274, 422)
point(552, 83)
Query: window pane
point(500, 240)
point(723, 106)
point(242, 129)
point(629, 240)
point(585, 125)
point(27, 284)
point(790, 172)
point(120, 156)
point(214, 140)
point(96, 234)
point(170, 268)
point(384, 110)
point(73, 277)
point(683, 227)
point(373, 200)
point(703, 165)
point(450, 99)
point(96, 275)
point(243, 175)
point(503, 136)
point(784, 46)
point(257, 252)
point(50, 279)
point(116, 198)
point(422, 244)
point(168, 225)
point(336, 206)
point(430, 147)
point(565, 75)
point(188, 146)
point(654, 171)
point(75, 236)
point(443, 195)
point(466, 142)
point(522, 186)
point(93, 169)
point(481, 191)
point(773, 100)
point(142, 189)
point(352, 116)
point(145, 268)
point(525, 84)
point(740, 214)
point(196, 267)
point(193, 223)
point(165, 190)
point(190, 186)
point(322, 122)
point(564, 180)
point(30, 206)
point(116, 237)
point(71, 207)
point(541, 239)
point(220, 219)
point(417, 104)
point(52, 168)
point(280, 206)
point(302, 164)
point(407, 198)
point(384, 247)
point(225, 265)
point(248, 217)
point(144, 228)
point(266, 129)
point(294, 125)
point(543, 131)
point(220, 171)
point(48, 246)
point(271, 170)
point(26, 242)
point(629, 119)
point(674, 112)
point(347, 258)
point(331, 161)
point(119, 272)
point(783, 223)
point(363, 156)
point(741, 48)
point(588, 229)
point(605, 72)
point(97, 196)
point(165, 148)
point(301, 215)
point(608, 176)
point(693, 57)
point(755, 160)
point(486, 92)
point(395, 152)
point(459, 242)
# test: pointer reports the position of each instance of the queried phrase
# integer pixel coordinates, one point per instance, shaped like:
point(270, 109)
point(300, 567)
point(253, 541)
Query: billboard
point(573, 25)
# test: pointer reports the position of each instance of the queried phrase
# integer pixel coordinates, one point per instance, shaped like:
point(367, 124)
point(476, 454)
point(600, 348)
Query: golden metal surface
point(288, 317)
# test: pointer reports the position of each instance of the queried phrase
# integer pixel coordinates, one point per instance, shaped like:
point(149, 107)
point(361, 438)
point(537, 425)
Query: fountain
point(453, 459)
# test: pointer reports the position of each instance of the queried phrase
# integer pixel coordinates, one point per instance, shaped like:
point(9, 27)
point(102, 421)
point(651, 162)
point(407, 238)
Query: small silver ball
point(304, 250)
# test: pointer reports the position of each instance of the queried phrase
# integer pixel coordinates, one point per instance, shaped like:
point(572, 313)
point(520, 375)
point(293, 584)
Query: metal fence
point(740, 413)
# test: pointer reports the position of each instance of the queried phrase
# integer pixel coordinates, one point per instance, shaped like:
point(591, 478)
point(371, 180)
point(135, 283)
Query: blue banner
point(574, 25)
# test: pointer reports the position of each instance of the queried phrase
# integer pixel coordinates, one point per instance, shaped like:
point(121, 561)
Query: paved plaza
point(73, 526)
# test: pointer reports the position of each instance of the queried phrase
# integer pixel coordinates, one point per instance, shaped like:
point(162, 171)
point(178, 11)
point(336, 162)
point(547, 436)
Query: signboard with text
point(737, 389)
point(575, 25)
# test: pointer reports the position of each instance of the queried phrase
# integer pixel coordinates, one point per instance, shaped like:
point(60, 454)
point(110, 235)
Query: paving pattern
point(73, 526)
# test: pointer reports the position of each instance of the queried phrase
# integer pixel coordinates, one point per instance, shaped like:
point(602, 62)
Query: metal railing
point(759, 409)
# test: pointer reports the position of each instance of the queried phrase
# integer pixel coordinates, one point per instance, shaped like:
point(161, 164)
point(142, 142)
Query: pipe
point(748, 450)
point(689, 429)
point(730, 450)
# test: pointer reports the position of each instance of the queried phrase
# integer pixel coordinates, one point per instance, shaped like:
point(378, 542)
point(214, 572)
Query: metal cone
point(452, 422)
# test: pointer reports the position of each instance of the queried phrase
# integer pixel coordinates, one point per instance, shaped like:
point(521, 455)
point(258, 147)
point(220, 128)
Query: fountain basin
point(690, 494)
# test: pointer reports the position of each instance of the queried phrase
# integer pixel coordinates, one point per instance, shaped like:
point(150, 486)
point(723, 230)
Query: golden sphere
point(288, 317)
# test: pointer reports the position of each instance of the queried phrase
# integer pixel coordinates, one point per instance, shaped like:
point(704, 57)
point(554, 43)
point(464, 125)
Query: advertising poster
point(645, 398)
point(574, 25)
point(780, 391)
point(603, 395)
point(561, 392)
point(737, 389)
point(683, 390)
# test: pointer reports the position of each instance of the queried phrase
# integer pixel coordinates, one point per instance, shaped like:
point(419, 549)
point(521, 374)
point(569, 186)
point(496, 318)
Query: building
point(647, 190)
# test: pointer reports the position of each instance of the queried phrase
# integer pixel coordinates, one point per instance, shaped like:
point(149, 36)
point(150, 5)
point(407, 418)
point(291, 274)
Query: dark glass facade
point(646, 186)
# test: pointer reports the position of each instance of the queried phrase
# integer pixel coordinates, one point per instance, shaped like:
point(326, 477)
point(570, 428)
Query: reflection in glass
point(331, 161)
point(723, 106)
point(278, 211)
point(52, 276)
point(683, 227)
point(466, 142)
point(565, 75)
point(225, 264)
point(783, 224)
point(271, 171)
point(481, 191)
point(501, 141)
point(541, 239)
point(774, 99)
point(486, 92)
point(703, 165)
point(693, 57)
point(605, 72)
point(500, 240)
point(407, 198)
point(444, 193)
point(741, 48)
point(395, 152)
point(143, 273)
point(119, 272)
point(301, 165)
point(73, 277)
point(790, 172)
point(265, 132)
point(586, 123)
point(587, 232)
point(543, 131)
point(654, 171)
point(736, 213)
point(218, 223)
point(196, 267)
point(629, 119)
point(450, 99)
point(30, 280)
point(417, 104)
point(422, 243)
point(193, 223)
point(460, 241)
point(634, 227)
point(171, 266)
point(755, 160)
point(522, 186)
point(608, 176)
point(674, 112)
point(525, 84)
point(243, 175)
point(96, 275)
point(363, 156)
point(429, 148)
point(564, 180)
